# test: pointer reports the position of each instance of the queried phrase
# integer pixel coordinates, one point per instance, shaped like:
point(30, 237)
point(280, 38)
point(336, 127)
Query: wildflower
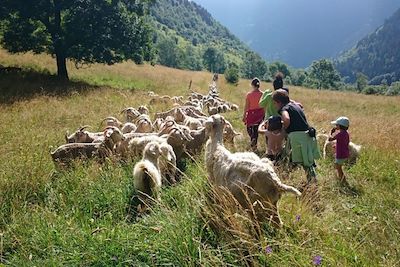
point(298, 218)
point(268, 250)
point(317, 260)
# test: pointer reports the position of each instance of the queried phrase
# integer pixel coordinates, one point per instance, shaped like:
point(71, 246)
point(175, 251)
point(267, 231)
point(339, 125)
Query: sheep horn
point(83, 128)
point(125, 110)
point(66, 136)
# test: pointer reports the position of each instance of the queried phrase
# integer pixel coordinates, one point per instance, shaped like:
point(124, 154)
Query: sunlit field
point(82, 216)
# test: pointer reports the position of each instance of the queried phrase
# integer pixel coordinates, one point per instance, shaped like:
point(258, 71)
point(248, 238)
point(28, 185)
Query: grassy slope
point(80, 217)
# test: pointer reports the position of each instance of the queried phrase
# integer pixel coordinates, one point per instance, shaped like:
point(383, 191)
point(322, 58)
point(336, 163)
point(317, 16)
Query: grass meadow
point(83, 216)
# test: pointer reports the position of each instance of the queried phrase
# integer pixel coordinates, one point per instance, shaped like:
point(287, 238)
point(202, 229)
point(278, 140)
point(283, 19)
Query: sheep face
point(143, 110)
point(80, 136)
point(152, 151)
point(215, 125)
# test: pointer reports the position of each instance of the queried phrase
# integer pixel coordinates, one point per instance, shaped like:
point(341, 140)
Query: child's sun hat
point(342, 121)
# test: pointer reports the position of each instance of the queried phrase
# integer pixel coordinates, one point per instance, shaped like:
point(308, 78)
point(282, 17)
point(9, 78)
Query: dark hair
point(255, 82)
point(343, 128)
point(278, 81)
point(274, 123)
point(281, 96)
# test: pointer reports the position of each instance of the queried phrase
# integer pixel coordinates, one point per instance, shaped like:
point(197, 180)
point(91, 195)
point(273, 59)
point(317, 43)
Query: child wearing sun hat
point(341, 135)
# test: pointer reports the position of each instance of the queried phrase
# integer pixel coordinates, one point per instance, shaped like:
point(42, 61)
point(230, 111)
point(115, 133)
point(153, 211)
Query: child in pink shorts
point(273, 130)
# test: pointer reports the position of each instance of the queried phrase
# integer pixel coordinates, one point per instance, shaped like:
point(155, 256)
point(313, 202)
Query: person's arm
point(333, 136)
point(246, 107)
point(285, 119)
point(262, 129)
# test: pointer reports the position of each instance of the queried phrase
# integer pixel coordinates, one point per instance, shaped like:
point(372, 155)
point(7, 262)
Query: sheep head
point(215, 126)
point(152, 150)
point(80, 136)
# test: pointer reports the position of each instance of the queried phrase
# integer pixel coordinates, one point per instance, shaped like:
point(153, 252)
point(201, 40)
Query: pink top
point(342, 144)
point(275, 141)
point(253, 98)
point(254, 113)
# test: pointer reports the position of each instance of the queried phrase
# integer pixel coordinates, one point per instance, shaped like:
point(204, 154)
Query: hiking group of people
point(287, 131)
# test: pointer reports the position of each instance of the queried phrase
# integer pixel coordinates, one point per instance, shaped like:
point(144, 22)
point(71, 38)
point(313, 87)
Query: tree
point(168, 53)
point(254, 66)
point(323, 75)
point(362, 81)
point(86, 31)
point(214, 60)
point(232, 74)
point(276, 67)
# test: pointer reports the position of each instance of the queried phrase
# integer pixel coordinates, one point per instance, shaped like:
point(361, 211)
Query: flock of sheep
point(171, 136)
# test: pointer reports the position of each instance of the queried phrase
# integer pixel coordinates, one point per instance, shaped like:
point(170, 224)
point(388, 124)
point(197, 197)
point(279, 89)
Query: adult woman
point(302, 146)
point(253, 114)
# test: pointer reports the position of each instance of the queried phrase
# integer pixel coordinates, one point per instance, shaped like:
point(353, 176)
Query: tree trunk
point(62, 72)
point(59, 45)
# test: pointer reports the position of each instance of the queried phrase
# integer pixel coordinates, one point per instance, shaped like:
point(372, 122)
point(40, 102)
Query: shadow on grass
point(23, 84)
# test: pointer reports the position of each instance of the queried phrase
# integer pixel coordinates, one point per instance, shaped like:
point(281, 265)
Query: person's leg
point(253, 133)
point(311, 174)
point(340, 173)
point(250, 133)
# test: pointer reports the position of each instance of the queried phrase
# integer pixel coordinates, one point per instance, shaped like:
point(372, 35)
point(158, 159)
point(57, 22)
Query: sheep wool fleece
point(305, 149)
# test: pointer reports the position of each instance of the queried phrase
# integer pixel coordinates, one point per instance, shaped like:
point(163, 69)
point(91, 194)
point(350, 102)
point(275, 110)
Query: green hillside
point(184, 30)
point(376, 56)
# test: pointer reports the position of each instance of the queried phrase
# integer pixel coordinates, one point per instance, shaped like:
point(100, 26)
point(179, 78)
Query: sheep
point(143, 110)
point(199, 139)
point(129, 127)
point(178, 100)
point(161, 99)
point(212, 110)
point(144, 124)
point(329, 149)
point(147, 174)
point(112, 121)
point(130, 114)
point(234, 107)
point(168, 164)
point(176, 138)
point(82, 136)
point(245, 175)
point(64, 154)
point(192, 123)
point(229, 133)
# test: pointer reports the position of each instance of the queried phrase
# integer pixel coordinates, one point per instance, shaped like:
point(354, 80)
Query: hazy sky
point(299, 31)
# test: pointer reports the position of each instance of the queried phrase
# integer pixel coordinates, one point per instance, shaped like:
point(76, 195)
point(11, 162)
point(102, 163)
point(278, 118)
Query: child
point(273, 130)
point(253, 113)
point(341, 135)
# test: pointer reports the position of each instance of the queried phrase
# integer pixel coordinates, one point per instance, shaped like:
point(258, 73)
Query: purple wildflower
point(317, 260)
point(298, 218)
point(268, 250)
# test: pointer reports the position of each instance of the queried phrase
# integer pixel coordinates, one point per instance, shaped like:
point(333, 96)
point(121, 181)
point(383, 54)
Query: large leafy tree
point(85, 31)
point(214, 60)
point(254, 66)
point(322, 74)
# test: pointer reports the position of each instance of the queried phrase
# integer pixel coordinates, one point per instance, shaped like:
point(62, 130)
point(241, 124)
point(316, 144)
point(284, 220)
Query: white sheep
point(130, 114)
point(143, 110)
point(144, 124)
point(82, 136)
point(168, 164)
point(245, 175)
point(112, 121)
point(129, 127)
point(147, 174)
point(329, 149)
point(192, 123)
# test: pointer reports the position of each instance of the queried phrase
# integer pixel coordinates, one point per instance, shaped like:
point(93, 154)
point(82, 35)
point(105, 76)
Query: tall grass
point(84, 216)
